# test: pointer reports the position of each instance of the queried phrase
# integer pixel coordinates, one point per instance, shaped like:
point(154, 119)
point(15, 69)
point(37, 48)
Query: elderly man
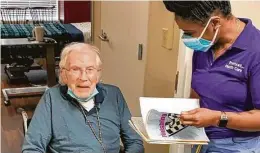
point(81, 114)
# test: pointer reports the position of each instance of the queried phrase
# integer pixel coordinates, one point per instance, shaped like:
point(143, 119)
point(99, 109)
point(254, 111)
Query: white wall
point(247, 9)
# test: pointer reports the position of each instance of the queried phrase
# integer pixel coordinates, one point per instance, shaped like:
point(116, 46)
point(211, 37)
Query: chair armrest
point(25, 118)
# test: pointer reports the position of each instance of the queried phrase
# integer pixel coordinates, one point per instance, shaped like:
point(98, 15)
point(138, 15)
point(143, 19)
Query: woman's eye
point(189, 34)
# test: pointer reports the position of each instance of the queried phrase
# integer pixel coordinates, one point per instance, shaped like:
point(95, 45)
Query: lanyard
point(99, 137)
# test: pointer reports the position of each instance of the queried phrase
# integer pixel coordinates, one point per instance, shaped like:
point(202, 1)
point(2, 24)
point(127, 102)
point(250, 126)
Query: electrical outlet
point(167, 38)
point(164, 37)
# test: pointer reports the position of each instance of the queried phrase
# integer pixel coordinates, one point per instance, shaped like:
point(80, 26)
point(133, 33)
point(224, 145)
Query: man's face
point(81, 73)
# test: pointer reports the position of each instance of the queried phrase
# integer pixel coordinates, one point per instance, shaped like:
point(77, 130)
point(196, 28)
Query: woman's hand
point(200, 117)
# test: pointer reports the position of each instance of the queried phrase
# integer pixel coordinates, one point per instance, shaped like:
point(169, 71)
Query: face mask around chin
point(70, 92)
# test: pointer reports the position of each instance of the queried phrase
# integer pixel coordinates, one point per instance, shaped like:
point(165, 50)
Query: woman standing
point(225, 74)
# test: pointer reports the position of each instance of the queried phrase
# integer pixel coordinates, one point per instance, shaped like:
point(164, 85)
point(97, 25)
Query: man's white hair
point(74, 47)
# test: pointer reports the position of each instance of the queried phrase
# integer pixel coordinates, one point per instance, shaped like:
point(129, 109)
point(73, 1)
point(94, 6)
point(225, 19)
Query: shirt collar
point(241, 42)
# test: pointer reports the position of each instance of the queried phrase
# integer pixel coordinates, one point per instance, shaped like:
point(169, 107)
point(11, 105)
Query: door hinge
point(176, 81)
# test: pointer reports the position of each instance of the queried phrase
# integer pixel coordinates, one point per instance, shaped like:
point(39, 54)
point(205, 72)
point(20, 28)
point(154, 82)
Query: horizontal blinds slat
point(28, 3)
point(31, 3)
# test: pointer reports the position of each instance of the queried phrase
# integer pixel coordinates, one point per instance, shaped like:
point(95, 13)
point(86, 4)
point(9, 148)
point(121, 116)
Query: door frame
point(183, 84)
point(184, 69)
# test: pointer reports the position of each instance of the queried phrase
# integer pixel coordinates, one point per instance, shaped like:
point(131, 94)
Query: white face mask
point(199, 44)
point(94, 93)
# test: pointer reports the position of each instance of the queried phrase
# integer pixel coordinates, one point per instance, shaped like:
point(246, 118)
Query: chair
point(13, 15)
point(42, 14)
point(26, 120)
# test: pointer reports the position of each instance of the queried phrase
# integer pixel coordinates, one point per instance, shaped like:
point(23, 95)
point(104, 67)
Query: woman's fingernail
point(183, 112)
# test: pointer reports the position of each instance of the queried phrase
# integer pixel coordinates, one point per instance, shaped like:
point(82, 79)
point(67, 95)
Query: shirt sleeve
point(39, 133)
point(131, 140)
point(254, 85)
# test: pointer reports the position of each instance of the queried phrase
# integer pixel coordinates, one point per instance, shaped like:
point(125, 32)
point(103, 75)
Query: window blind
point(32, 3)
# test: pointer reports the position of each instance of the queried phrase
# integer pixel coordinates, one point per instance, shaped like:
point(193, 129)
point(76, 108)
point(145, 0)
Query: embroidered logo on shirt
point(234, 66)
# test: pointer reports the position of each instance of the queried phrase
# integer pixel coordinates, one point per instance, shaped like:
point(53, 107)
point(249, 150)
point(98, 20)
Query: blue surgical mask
point(199, 44)
point(91, 96)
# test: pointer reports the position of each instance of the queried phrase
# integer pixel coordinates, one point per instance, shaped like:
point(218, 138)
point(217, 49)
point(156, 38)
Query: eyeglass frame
point(80, 70)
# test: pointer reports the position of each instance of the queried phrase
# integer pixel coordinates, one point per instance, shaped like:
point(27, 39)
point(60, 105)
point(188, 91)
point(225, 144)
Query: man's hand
point(200, 117)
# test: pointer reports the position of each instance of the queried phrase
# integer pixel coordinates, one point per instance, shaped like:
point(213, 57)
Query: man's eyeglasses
point(77, 71)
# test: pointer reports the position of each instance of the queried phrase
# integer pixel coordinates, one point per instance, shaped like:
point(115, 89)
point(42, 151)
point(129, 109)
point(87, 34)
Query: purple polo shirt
point(231, 83)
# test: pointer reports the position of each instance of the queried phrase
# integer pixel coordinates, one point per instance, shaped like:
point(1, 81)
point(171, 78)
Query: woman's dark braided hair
point(198, 11)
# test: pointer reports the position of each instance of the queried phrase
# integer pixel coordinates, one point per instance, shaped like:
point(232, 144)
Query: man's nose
point(84, 75)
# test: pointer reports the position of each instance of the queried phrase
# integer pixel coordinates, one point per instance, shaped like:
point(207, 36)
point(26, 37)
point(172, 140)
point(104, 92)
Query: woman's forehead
point(187, 25)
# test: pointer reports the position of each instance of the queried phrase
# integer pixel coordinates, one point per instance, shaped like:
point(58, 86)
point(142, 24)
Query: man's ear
point(99, 76)
point(64, 76)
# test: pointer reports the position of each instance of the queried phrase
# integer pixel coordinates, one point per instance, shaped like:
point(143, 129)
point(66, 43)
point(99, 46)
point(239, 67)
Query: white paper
point(172, 105)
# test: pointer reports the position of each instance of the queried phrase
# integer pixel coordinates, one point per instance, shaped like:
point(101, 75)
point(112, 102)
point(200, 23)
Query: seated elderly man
point(81, 114)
